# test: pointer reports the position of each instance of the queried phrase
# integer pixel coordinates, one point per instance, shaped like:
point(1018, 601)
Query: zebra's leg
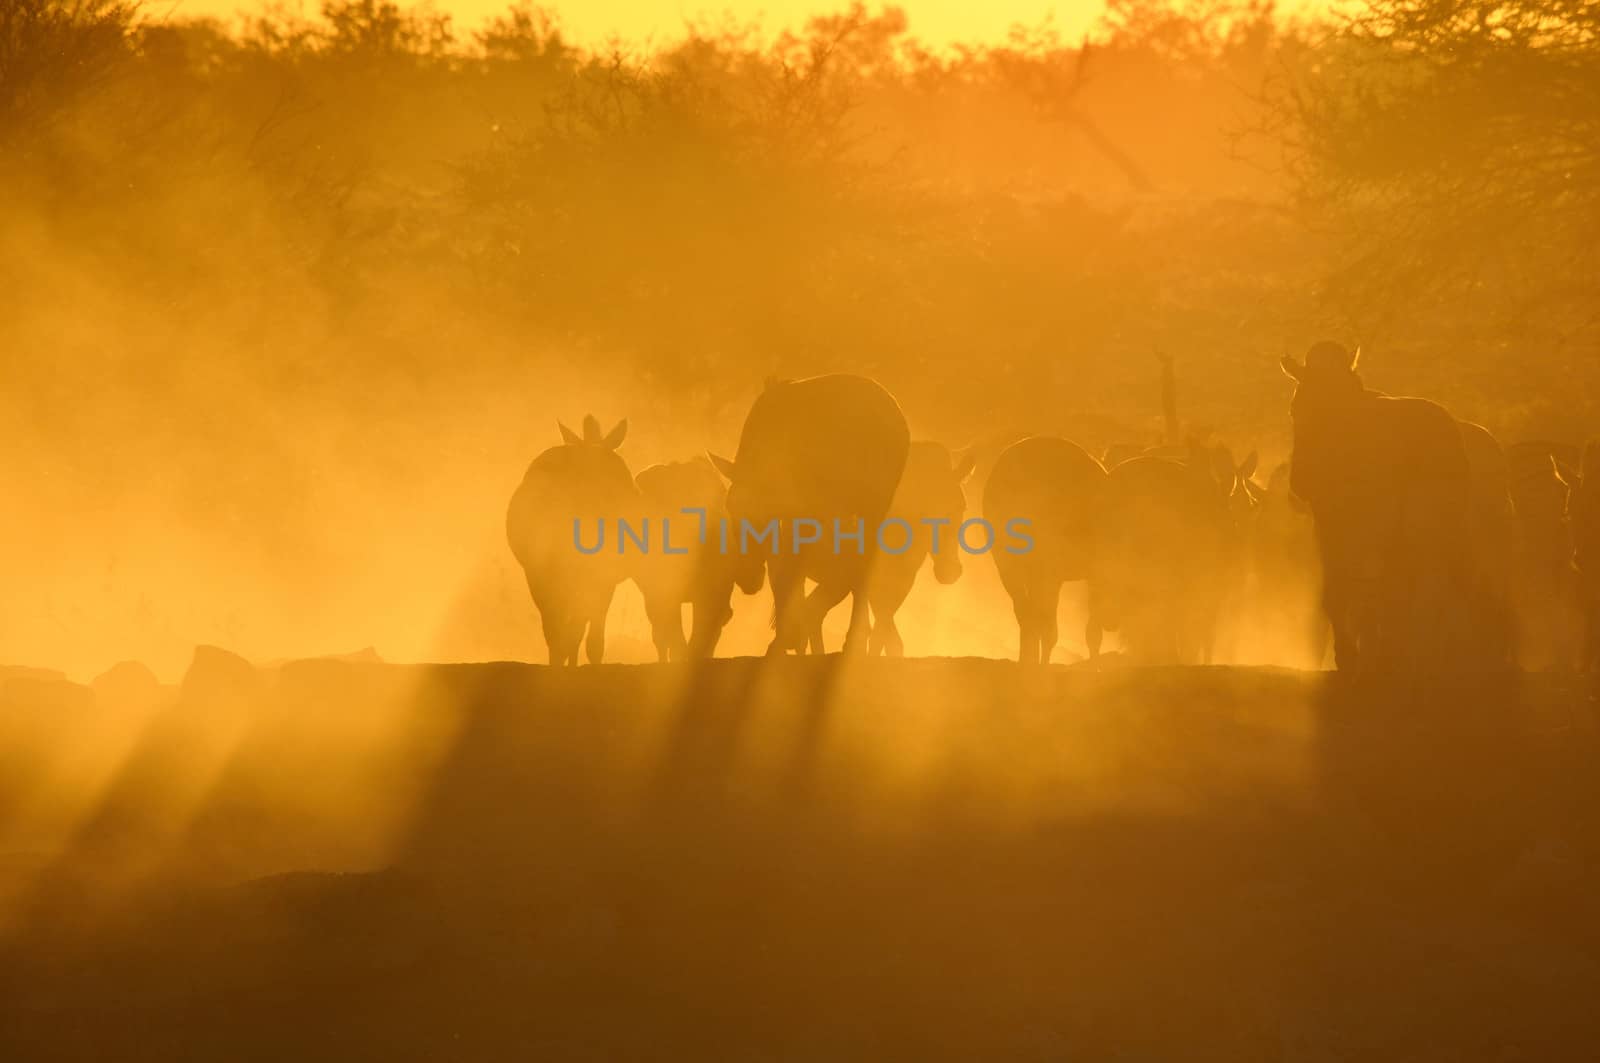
point(552, 603)
point(788, 586)
point(880, 621)
point(1045, 620)
point(855, 638)
point(664, 616)
point(827, 594)
point(710, 614)
point(599, 605)
point(886, 602)
point(814, 644)
point(1027, 632)
point(891, 642)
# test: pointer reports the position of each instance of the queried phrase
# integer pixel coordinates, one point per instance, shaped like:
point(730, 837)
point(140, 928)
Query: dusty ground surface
point(803, 859)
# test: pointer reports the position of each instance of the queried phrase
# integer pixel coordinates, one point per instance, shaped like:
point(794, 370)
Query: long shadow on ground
point(820, 859)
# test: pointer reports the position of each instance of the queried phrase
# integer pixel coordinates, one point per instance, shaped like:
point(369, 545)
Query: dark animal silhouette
point(1160, 560)
point(929, 488)
point(1233, 479)
point(703, 575)
point(1240, 496)
point(1544, 582)
point(825, 449)
point(1058, 488)
point(1492, 529)
point(1389, 486)
point(1286, 573)
point(1117, 453)
point(1583, 509)
point(1231, 482)
point(583, 480)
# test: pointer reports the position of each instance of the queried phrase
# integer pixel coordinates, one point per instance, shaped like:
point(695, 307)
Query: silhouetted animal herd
point(1410, 541)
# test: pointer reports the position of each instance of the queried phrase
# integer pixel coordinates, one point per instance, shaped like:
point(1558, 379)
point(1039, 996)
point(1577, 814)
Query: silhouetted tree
point(1454, 148)
point(52, 51)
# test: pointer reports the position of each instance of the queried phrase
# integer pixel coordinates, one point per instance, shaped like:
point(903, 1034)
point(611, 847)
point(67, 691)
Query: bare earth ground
point(801, 859)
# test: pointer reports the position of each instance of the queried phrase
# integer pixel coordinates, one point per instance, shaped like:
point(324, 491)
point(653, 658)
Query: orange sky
point(935, 21)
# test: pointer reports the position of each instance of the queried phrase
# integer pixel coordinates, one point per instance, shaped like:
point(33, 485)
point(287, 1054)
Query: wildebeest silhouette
point(824, 449)
point(1544, 582)
point(1165, 589)
point(1492, 515)
point(1230, 481)
point(583, 480)
point(1194, 448)
point(1058, 488)
point(1583, 509)
point(1159, 567)
point(1215, 468)
point(929, 488)
point(1389, 486)
point(703, 575)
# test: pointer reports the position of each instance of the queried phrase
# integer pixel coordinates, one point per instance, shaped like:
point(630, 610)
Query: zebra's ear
point(568, 436)
point(724, 466)
point(1567, 476)
point(614, 438)
point(1247, 467)
point(591, 428)
point(1292, 369)
point(1355, 359)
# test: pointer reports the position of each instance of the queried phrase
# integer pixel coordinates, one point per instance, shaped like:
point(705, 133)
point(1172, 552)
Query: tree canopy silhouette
point(1454, 150)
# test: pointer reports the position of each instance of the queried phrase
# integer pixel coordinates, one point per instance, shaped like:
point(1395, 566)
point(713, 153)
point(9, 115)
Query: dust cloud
point(288, 304)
